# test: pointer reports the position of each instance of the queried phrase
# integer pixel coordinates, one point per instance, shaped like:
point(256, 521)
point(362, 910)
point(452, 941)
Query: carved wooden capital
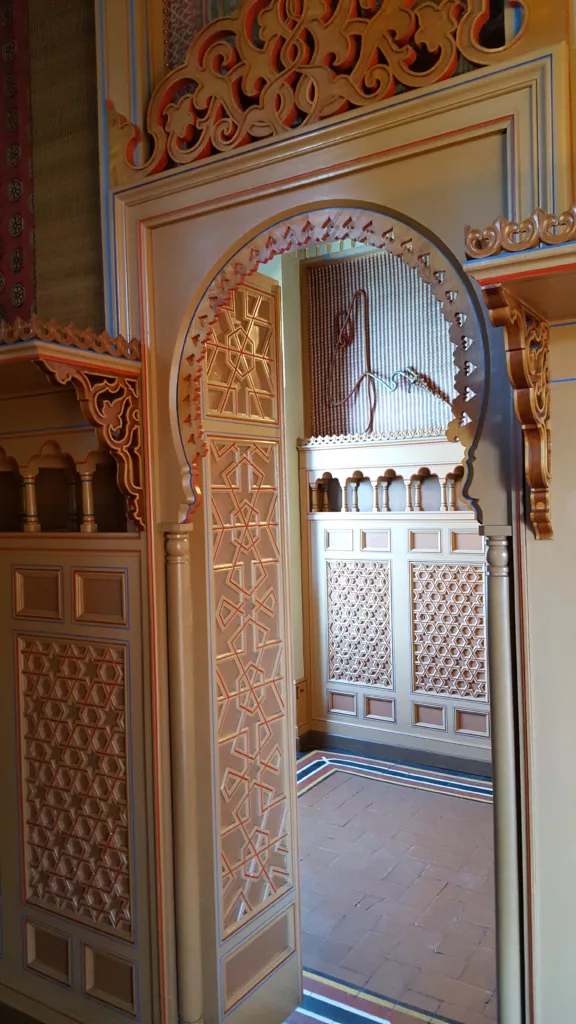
point(526, 341)
point(504, 235)
point(111, 403)
point(273, 67)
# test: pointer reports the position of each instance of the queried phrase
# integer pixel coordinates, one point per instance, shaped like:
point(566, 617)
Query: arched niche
point(313, 225)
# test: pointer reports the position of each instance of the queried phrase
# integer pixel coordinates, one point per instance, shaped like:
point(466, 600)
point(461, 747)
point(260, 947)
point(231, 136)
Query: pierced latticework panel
point(449, 630)
point(249, 657)
point(359, 622)
point(241, 372)
point(72, 726)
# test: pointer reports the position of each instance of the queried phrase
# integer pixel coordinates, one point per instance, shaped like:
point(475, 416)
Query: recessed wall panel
point(99, 597)
point(37, 593)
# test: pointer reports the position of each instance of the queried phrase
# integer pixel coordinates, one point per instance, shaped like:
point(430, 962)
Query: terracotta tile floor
point(397, 894)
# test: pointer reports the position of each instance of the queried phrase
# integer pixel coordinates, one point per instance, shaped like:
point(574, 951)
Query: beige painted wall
point(551, 575)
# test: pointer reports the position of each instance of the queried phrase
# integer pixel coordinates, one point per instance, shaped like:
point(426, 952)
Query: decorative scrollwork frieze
point(68, 335)
point(111, 403)
point(511, 236)
point(273, 67)
point(526, 341)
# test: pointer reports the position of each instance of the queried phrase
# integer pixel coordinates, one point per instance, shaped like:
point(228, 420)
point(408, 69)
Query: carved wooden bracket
point(526, 341)
point(111, 403)
point(273, 67)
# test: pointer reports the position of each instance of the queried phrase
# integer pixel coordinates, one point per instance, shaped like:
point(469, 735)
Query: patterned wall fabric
point(406, 329)
point(17, 288)
point(183, 19)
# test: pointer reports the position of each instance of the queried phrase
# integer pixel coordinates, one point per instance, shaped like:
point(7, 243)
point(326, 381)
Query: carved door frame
point(186, 546)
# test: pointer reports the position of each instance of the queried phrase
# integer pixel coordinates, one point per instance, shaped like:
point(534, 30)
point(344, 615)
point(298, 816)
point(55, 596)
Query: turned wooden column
point(443, 495)
point(417, 483)
point(184, 768)
point(88, 524)
point(30, 505)
point(508, 937)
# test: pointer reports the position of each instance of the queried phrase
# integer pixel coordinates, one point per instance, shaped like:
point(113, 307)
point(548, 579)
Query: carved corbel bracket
point(111, 403)
point(526, 341)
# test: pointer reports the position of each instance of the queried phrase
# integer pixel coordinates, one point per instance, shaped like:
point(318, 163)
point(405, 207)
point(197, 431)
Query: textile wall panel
point(183, 19)
point(65, 157)
point(16, 199)
point(357, 302)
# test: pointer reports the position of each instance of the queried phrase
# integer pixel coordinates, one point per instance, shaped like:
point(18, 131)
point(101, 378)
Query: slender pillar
point(355, 504)
point(443, 496)
point(375, 495)
point(385, 496)
point(89, 524)
point(315, 492)
point(451, 494)
point(409, 505)
point(417, 494)
point(325, 495)
point(31, 521)
point(345, 505)
point(505, 795)
point(186, 877)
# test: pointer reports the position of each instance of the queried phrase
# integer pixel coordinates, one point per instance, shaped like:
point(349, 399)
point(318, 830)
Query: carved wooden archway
point(403, 240)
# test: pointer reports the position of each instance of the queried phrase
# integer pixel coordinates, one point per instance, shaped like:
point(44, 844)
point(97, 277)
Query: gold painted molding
point(268, 69)
point(504, 235)
point(69, 335)
point(526, 343)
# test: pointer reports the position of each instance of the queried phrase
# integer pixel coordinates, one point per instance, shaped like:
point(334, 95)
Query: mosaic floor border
point(317, 765)
point(333, 1002)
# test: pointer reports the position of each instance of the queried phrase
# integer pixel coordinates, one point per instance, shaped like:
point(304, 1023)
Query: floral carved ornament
point(289, 64)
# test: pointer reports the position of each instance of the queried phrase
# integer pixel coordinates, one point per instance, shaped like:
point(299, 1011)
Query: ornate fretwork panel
point(359, 622)
point(248, 653)
point(72, 729)
point(272, 67)
point(111, 403)
point(241, 371)
point(449, 630)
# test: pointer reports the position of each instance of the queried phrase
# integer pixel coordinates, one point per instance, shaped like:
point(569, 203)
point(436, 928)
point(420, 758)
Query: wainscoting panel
point(76, 849)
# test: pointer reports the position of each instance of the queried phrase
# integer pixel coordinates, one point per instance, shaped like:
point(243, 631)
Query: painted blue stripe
point(402, 774)
point(334, 1012)
point(563, 380)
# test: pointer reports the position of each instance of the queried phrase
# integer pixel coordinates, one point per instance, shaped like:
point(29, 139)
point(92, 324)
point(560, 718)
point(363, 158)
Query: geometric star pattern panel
point(240, 378)
point(248, 651)
point(72, 725)
point(449, 630)
point(359, 622)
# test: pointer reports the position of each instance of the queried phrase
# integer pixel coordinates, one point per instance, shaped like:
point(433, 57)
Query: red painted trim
point(544, 272)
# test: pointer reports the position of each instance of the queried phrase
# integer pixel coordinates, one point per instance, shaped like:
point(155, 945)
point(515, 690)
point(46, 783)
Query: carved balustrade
point(361, 477)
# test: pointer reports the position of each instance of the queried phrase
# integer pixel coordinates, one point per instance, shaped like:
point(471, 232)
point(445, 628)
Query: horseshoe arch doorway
point(233, 539)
